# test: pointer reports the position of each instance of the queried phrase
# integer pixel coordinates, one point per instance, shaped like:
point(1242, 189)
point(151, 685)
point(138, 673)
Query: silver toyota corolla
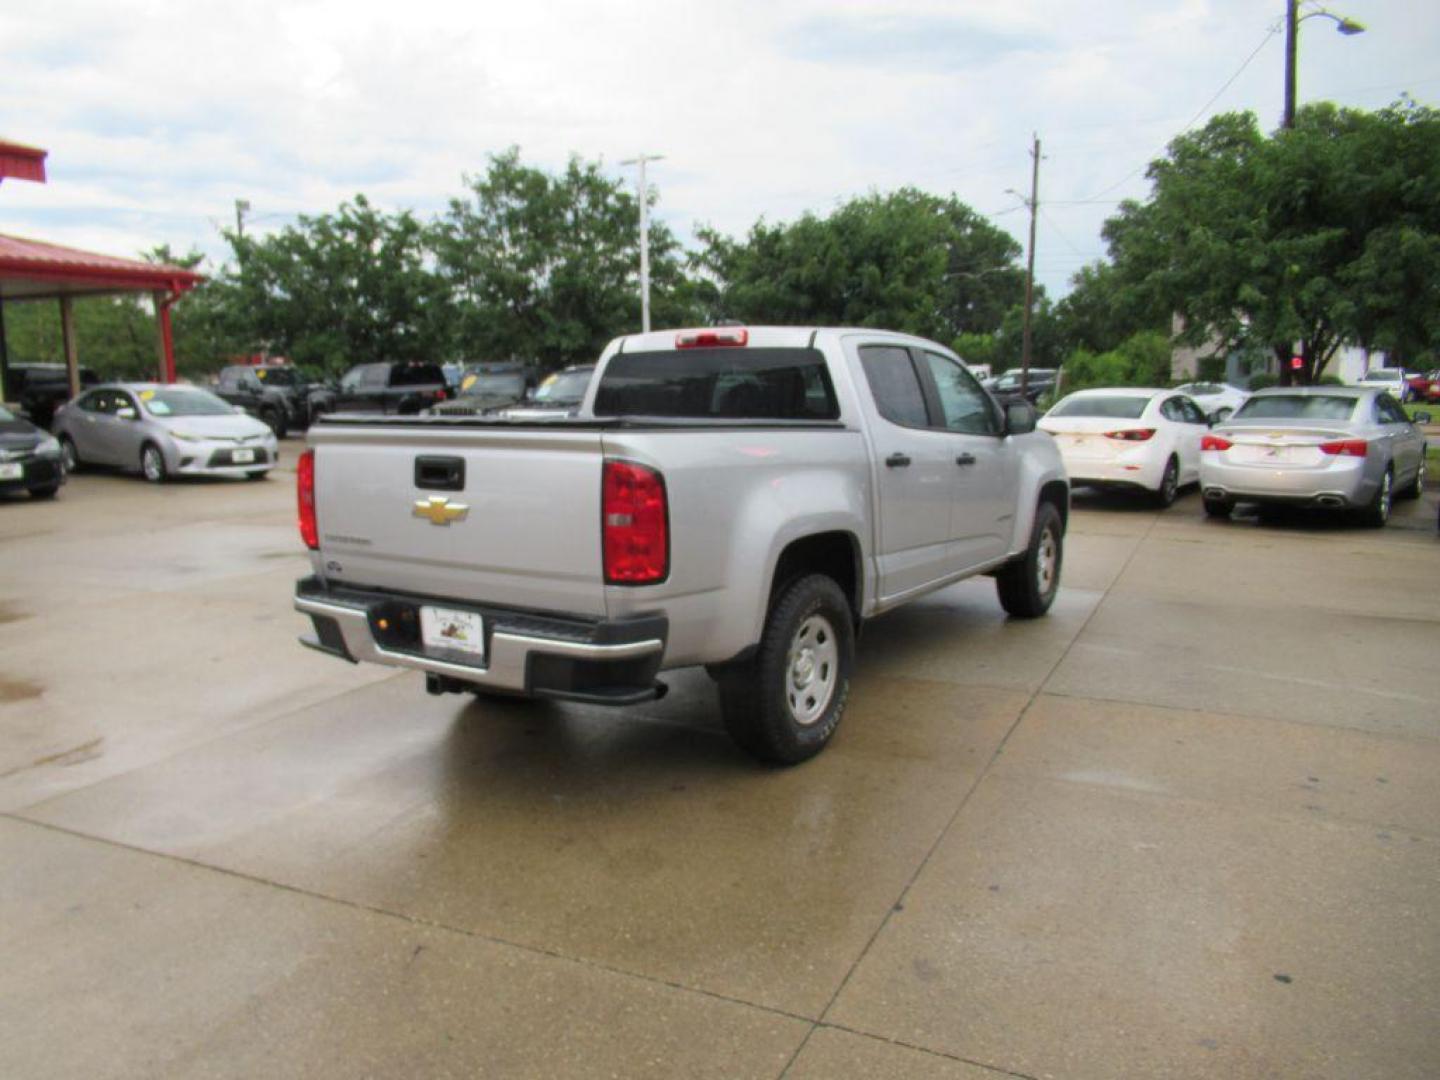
point(1329, 446)
point(163, 431)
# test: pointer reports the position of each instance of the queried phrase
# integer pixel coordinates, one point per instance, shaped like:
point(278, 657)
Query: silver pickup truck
point(738, 498)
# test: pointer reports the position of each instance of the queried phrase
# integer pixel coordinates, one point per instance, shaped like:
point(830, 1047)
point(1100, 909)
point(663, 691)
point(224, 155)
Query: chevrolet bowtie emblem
point(438, 510)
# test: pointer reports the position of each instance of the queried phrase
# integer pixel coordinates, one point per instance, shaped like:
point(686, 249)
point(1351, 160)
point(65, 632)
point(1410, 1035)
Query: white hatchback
point(1128, 438)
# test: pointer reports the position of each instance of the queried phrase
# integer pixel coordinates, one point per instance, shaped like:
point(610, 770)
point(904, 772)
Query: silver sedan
point(1329, 446)
point(163, 431)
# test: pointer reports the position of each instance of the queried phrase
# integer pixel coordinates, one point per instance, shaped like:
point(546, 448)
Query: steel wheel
point(152, 463)
point(811, 666)
point(1047, 560)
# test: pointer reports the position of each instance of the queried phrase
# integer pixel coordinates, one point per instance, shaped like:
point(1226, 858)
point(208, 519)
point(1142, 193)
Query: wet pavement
point(1188, 825)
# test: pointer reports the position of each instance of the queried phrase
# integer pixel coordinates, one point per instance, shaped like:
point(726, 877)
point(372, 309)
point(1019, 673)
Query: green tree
point(905, 261)
point(334, 290)
point(1102, 309)
point(543, 266)
point(114, 335)
point(1298, 241)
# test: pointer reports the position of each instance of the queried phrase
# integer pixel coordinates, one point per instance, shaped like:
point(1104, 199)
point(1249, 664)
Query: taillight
point(633, 520)
point(305, 491)
point(1345, 447)
point(1214, 442)
point(440, 395)
point(705, 339)
point(1131, 434)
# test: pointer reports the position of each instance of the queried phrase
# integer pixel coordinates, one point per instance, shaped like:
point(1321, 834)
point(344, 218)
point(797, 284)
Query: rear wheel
point(1028, 585)
point(1378, 512)
point(258, 474)
point(152, 463)
point(784, 704)
point(1169, 483)
point(1218, 508)
point(46, 492)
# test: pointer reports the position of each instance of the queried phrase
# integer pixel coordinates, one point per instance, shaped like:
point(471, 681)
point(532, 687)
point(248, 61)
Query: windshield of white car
point(1297, 407)
point(1381, 375)
point(175, 402)
point(1118, 407)
point(6, 416)
point(493, 386)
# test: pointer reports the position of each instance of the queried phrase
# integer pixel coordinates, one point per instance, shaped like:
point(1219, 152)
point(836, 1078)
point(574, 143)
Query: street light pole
point(644, 238)
point(1348, 27)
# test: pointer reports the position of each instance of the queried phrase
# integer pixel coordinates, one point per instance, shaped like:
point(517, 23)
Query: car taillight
point(305, 491)
point(440, 395)
point(1131, 434)
point(634, 523)
point(706, 339)
point(1345, 447)
point(1214, 442)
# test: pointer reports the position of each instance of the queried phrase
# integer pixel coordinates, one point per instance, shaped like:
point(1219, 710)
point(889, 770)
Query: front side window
point(894, 384)
point(965, 407)
point(98, 401)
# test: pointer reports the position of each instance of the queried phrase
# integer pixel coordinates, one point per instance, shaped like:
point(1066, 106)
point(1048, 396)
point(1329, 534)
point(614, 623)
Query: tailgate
point(520, 528)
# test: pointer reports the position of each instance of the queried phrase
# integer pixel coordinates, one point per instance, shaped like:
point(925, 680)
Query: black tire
point(1028, 585)
point(1219, 508)
point(1169, 484)
point(46, 492)
point(783, 705)
point(258, 474)
point(274, 419)
point(152, 464)
point(1416, 487)
point(1378, 512)
point(70, 455)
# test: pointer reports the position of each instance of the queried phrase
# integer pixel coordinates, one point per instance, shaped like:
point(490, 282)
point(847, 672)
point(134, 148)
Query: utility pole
point(1034, 203)
point(644, 237)
point(242, 207)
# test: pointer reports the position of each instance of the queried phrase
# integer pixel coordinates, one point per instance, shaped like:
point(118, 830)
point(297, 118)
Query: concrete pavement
point(1188, 825)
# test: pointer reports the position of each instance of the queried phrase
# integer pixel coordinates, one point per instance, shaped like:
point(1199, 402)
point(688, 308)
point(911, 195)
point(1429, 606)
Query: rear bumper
point(1343, 483)
point(608, 662)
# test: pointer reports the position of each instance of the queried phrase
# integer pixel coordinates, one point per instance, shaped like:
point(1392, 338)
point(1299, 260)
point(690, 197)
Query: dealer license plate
point(242, 457)
point(443, 628)
point(11, 471)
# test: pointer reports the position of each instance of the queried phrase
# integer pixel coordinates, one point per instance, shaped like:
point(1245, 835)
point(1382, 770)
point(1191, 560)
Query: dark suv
point(40, 389)
point(403, 388)
point(1040, 381)
point(487, 387)
point(278, 394)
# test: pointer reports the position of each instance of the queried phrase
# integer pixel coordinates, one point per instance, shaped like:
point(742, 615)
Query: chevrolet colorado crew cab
point(741, 498)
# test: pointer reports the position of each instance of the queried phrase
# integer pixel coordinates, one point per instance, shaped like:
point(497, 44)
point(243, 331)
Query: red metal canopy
point(35, 269)
point(22, 162)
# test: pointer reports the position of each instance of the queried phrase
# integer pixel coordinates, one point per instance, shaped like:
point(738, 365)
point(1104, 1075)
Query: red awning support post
point(67, 337)
point(166, 339)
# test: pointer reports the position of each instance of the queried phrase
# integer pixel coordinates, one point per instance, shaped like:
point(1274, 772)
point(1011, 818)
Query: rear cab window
point(727, 383)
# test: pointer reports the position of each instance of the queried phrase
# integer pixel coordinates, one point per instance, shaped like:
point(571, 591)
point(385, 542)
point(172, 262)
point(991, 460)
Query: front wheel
point(69, 456)
point(257, 474)
point(46, 492)
point(275, 420)
point(1028, 585)
point(784, 705)
point(152, 464)
point(1378, 512)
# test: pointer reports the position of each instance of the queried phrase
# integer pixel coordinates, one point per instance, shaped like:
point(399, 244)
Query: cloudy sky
point(159, 115)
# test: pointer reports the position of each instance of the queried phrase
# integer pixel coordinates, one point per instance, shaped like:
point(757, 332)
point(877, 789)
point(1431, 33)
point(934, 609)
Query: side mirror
point(1019, 418)
point(1421, 417)
point(126, 413)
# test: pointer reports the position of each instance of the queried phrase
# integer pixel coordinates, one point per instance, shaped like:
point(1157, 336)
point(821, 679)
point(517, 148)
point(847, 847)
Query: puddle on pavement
point(12, 689)
point(10, 613)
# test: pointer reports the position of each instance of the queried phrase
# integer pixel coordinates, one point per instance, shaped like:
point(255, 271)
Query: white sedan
point(1127, 438)
point(1216, 400)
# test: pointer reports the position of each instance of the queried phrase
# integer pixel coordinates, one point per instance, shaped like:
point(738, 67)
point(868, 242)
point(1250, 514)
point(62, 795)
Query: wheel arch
point(835, 553)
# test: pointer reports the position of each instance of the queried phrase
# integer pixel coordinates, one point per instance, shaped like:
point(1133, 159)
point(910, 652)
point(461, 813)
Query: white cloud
point(159, 115)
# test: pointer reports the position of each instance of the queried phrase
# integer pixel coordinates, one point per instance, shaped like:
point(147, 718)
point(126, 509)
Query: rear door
point(504, 515)
point(916, 474)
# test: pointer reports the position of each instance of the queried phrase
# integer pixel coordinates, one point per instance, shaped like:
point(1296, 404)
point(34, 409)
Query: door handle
point(965, 459)
point(897, 461)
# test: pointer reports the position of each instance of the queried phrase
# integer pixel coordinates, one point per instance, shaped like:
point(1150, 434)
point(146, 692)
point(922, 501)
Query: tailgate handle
point(440, 473)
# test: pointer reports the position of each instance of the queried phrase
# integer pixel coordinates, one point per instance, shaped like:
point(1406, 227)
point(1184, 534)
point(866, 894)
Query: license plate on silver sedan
point(11, 471)
point(242, 457)
point(445, 628)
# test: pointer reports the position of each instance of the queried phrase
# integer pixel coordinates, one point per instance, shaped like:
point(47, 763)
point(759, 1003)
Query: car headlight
point(187, 436)
point(48, 447)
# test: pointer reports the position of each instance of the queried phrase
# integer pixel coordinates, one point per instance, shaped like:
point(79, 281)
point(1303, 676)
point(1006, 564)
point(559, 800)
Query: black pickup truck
point(278, 394)
point(391, 388)
point(40, 389)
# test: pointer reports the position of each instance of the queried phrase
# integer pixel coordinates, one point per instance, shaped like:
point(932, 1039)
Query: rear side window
point(894, 384)
point(723, 384)
point(416, 375)
point(1296, 407)
point(1118, 407)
